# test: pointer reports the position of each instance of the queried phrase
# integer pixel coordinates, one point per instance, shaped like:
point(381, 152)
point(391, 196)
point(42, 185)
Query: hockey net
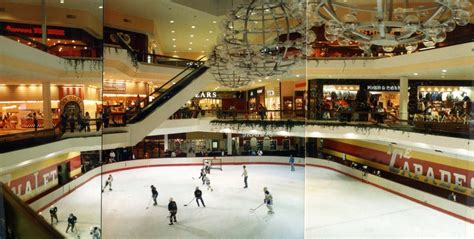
point(216, 163)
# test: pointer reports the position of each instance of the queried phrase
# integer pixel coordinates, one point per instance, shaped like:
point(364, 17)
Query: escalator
point(148, 114)
point(151, 112)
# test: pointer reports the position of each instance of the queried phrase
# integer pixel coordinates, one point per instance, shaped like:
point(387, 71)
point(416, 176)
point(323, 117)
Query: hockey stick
point(189, 202)
point(253, 209)
point(148, 205)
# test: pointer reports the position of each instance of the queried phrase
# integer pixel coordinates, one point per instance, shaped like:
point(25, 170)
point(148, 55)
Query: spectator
point(72, 122)
point(87, 122)
point(35, 121)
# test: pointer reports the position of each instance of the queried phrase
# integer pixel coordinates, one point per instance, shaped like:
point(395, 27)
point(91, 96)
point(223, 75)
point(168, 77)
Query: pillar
point(229, 143)
point(166, 143)
point(403, 98)
point(44, 31)
point(48, 116)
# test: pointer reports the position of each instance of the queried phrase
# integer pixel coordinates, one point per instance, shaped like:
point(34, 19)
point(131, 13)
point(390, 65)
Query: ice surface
point(338, 206)
point(227, 214)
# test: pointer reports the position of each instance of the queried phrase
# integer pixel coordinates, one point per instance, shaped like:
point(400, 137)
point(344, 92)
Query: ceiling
point(182, 27)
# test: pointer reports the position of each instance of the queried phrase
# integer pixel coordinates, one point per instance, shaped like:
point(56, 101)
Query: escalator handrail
point(165, 84)
point(163, 98)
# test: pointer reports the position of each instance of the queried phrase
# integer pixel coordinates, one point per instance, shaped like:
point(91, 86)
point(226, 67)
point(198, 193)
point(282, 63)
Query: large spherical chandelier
point(264, 37)
point(391, 23)
point(224, 72)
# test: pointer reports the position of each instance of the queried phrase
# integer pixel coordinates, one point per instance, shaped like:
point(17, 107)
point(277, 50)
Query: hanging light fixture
point(390, 24)
point(224, 72)
point(264, 37)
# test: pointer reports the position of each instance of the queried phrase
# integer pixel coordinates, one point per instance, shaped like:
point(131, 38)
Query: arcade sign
point(35, 30)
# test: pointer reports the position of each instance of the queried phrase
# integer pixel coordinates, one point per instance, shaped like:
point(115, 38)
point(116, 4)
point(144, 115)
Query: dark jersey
point(72, 219)
point(198, 193)
point(172, 206)
point(154, 192)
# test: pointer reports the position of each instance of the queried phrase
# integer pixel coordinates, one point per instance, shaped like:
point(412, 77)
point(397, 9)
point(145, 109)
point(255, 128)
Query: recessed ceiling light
point(193, 27)
point(278, 79)
point(415, 74)
point(202, 51)
point(190, 48)
point(207, 39)
point(174, 46)
point(191, 35)
point(443, 76)
point(171, 21)
point(174, 51)
point(259, 80)
point(190, 43)
point(61, 1)
point(210, 31)
point(174, 39)
point(214, 22)
point(297, 75)
point(266, 78)
point(444, 71)
point(100, 7)
point(172, 31)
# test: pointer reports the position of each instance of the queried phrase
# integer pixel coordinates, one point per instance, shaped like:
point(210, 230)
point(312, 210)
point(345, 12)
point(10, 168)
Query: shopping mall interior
point(236, 119)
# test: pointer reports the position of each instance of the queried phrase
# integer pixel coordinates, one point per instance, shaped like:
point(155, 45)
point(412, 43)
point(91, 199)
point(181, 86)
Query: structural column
point(47, 115)
point(166, 143)
point(404, 98)
point(229, 143)
point(44, 31)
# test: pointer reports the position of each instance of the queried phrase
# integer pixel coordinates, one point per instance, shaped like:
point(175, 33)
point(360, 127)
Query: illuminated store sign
point(206, 94)
point(35, 30)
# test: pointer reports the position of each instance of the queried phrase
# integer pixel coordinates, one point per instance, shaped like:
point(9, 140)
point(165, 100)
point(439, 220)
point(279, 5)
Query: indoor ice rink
point(227, 214)
point(339, 206)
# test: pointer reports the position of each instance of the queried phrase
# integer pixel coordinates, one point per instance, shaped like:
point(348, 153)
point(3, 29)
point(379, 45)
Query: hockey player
point(71, 222)
point(207, 166)
point(108, 183)
point(198, 196)
point(53, 212)
point(173, 209)
point(95, 232)
point(154, 195)
point(245, 175)
point(203, 174)
point(208, 183)
point(292, 163)
point(268, 200)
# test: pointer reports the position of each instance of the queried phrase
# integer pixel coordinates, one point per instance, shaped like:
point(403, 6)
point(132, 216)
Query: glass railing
point(60, 50)
point(460, 128)
point(17, 220)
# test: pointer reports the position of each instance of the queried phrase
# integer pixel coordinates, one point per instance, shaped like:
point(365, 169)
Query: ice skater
point(95, 232)
point(268, 200)
point(207, 166)
point(154, 195)
point(203, 174)
point(208, 183)
point(173, 209)
point(292, 162)
point(108, 183)
point(53, 213)
point(71, 222)
point(198, 196)
point(245, 175)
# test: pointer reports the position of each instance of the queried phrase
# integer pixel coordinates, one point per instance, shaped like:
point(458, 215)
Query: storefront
point(441, 101)
point(61, 41)
point(255, 98)
point(23, 101)
point(219, 100)
point(329, 96)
